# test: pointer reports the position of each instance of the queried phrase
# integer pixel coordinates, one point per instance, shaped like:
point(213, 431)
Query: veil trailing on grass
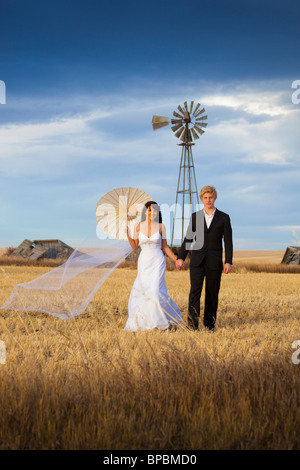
point(66, 291)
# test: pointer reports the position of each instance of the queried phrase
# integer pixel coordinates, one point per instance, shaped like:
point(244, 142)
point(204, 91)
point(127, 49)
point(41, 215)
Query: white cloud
point(273, 142)
point(292, 228)
point(254, 102)
point(114, 128)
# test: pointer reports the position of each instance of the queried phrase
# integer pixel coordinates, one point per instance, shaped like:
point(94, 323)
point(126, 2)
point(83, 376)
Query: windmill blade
point(183, 135)
point(200, 131)
point(191, 107)
point(186, 106)
point(198, 126)
point(186, 136)
point(197, 107)
point(201, 124)
point(180, 109)
point(178, 133)
point(195, 113)
point(201, 118)
point(175, 128)
point(176, 121)
point(177, 115)
point(195, 135)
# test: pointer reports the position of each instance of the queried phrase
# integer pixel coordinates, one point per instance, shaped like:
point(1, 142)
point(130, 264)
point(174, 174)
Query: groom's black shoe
point(211, 329)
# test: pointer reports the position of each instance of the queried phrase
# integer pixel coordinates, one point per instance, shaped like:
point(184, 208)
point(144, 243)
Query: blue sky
point(83, 79)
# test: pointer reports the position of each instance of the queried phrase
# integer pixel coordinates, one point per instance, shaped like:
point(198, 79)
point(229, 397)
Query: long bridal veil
point(66, 291)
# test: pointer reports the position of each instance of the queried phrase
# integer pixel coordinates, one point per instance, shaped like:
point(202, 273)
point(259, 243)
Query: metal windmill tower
point(188, 124)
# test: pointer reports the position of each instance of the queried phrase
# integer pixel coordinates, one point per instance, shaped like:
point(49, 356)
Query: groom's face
point(208, 201)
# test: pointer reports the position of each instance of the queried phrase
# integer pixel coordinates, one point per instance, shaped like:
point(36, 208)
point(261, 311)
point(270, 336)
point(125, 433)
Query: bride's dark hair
point(156, 207)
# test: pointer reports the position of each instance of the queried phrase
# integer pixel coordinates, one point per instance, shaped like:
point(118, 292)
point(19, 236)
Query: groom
point(204, 237)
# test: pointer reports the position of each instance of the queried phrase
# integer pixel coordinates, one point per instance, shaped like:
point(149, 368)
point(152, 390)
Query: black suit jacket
point(212, 248)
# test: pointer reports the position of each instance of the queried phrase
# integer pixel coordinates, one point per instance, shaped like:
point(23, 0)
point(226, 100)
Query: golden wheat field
point(84, 383)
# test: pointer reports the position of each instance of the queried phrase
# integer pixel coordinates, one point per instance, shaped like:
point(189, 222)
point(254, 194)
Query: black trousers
point(212, 286)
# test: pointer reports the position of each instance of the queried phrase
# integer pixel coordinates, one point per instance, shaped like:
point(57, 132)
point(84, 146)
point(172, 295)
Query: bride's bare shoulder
point(162, 228)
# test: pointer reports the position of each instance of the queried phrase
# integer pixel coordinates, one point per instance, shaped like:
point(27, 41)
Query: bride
point(149, 304)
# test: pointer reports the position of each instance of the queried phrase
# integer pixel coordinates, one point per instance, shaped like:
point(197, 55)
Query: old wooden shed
point(291, 255)
point(39, 249)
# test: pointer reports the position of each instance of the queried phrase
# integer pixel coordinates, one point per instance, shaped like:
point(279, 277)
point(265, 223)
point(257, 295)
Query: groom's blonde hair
point(208, 189)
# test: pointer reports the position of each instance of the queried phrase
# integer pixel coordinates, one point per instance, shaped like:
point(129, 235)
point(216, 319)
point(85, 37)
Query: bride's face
point(151, 213)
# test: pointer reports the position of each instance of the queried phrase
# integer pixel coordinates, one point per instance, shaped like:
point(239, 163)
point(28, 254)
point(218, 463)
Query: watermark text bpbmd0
point(296, 94)
point(2, 92)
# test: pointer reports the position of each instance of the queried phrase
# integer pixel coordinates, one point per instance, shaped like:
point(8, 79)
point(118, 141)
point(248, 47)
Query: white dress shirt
point(208, 218)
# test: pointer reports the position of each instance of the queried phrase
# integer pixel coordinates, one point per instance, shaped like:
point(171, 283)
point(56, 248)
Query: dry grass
point(9, 260)
point(258, 256)
point(87, 384)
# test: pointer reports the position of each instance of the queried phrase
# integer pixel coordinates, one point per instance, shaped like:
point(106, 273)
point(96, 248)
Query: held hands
point(179, 264)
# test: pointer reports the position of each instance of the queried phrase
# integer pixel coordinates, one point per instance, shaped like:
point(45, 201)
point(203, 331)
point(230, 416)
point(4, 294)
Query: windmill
point(188, 123)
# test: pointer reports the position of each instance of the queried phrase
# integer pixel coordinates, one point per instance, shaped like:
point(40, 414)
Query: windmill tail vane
point(159, 121)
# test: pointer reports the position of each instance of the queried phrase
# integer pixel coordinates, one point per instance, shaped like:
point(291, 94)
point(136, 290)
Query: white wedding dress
point(149, 304)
